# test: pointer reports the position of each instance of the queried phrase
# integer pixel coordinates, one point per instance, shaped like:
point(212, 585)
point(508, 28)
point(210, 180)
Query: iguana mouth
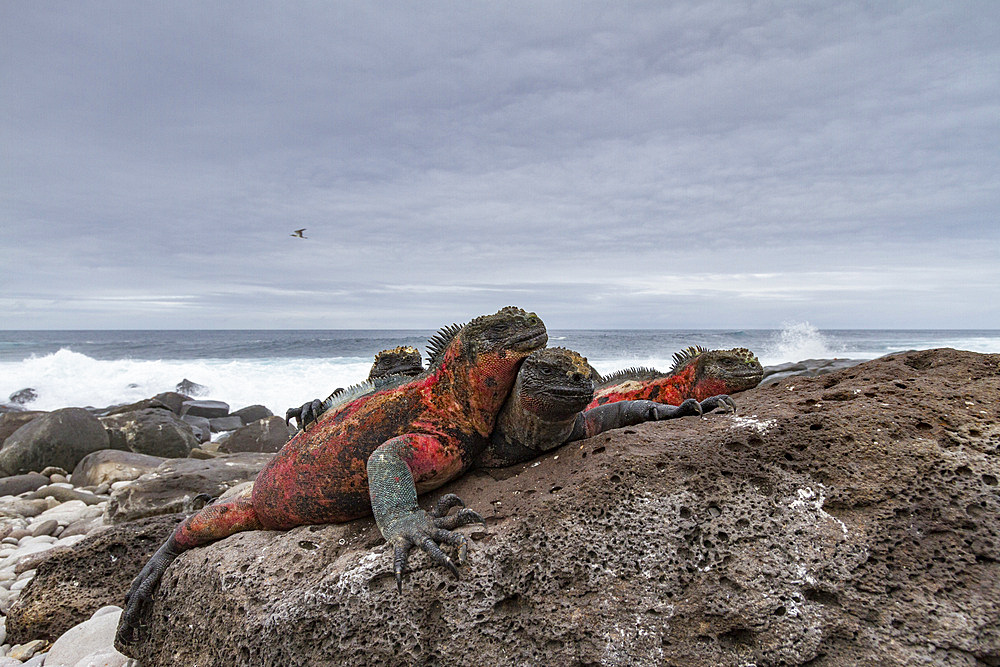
point(571, 392)
point(529, 340)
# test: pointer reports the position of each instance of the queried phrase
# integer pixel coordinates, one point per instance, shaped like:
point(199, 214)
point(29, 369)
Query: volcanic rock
point(851, 518)
point(17, 484)
point(252, 413)
point(11, 421)
point(207, 409)
point(60, 438)
point(96, 571)
point(23, 396)
point(111, 465)
point(156, 432)
point(266, 435)
point(182, 485)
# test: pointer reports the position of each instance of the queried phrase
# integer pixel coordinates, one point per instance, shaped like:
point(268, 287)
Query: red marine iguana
point(373, 454)
point(697, 373)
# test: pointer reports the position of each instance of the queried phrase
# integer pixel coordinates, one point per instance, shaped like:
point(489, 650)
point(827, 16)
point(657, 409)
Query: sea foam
point(70, 379)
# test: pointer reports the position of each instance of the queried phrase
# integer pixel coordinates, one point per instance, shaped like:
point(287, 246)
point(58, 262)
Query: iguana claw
point(722, 400)
point(427, 530)
point(305, 414)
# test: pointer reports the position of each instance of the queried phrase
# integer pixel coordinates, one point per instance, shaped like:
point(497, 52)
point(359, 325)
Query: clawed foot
point(721, 401)
point(691, 407)
point(140, 595)
point(305, 414)
point(427, 531)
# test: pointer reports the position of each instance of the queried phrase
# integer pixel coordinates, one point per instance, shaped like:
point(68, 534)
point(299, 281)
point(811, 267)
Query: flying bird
point(298, 233)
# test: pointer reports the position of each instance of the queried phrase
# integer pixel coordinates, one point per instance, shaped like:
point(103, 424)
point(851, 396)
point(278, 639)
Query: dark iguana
point(374, 454)
point(697, 373)
point(548, 408)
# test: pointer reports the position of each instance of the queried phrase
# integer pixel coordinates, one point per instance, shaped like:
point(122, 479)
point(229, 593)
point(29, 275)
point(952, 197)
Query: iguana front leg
point(308, 412)
point(629, 413)
point(392, 469)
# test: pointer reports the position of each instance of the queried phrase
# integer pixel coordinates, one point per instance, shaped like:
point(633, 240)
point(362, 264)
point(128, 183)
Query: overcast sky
point(648, 164)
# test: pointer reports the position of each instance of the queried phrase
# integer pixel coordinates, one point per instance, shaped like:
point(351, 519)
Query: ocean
point(285, 368)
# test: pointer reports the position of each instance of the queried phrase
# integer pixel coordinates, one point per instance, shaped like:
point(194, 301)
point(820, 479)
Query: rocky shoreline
point(849, 517)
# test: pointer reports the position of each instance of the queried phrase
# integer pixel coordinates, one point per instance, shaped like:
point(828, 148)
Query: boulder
point(190, 388)
point(151, 431)
point(23, 396)
point(144, 404)
point(266, 435)
point(201, 426)
point(172, 400)
point(850, 518)
point(219, 424)
point(60, 438)
point(182, 485)
point(806, 368)
point(72, 584)
point(111, 465)
point(207, 409)
point(252, 413)
point(18, 484)
point(91, 641)
point(11, 421)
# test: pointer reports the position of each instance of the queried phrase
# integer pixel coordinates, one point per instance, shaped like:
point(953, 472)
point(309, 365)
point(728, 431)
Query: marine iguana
point(372, 454)
point(697, 373)
point(548, 408)
point(391, 367)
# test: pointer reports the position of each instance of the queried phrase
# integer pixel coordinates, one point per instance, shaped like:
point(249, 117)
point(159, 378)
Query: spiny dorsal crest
point(687, 355)
point(439, 342)
point(342, 396)
point(636, 373)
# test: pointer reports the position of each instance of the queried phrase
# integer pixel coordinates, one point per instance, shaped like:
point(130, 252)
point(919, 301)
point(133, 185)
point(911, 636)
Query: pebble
point(9, 540)
point(47, 527)
point(23, 652)
point(58, 479)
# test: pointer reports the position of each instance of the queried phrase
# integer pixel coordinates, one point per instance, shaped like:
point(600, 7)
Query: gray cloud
point(702, 164)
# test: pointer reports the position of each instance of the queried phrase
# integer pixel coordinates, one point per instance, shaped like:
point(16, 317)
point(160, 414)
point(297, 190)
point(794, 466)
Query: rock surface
point(175, 485)
point(71, 585)
point(112, 465)
point(60, 438)
point(11, 421)
point(852, 518)
point(152, 431)
point(266, 435)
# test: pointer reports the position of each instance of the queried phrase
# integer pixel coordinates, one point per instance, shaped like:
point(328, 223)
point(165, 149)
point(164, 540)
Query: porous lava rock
point(73, 583)
point(59, 438)
point(182, 485)
point(850, 518)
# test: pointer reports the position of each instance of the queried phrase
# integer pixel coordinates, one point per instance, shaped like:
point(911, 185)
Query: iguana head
point(402, 360)
point(554, 383)
point(726, 371)
point(508, 335)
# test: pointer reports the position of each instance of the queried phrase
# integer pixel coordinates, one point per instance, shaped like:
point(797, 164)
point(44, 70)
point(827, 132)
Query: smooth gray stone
point(209, 409)
point(201, 425)
point(18, 484)
point(230, 423)
point(252, 413)
point(111, 465)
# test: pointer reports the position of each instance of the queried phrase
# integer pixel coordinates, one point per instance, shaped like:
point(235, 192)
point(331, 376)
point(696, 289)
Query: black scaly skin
point(391, 366)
